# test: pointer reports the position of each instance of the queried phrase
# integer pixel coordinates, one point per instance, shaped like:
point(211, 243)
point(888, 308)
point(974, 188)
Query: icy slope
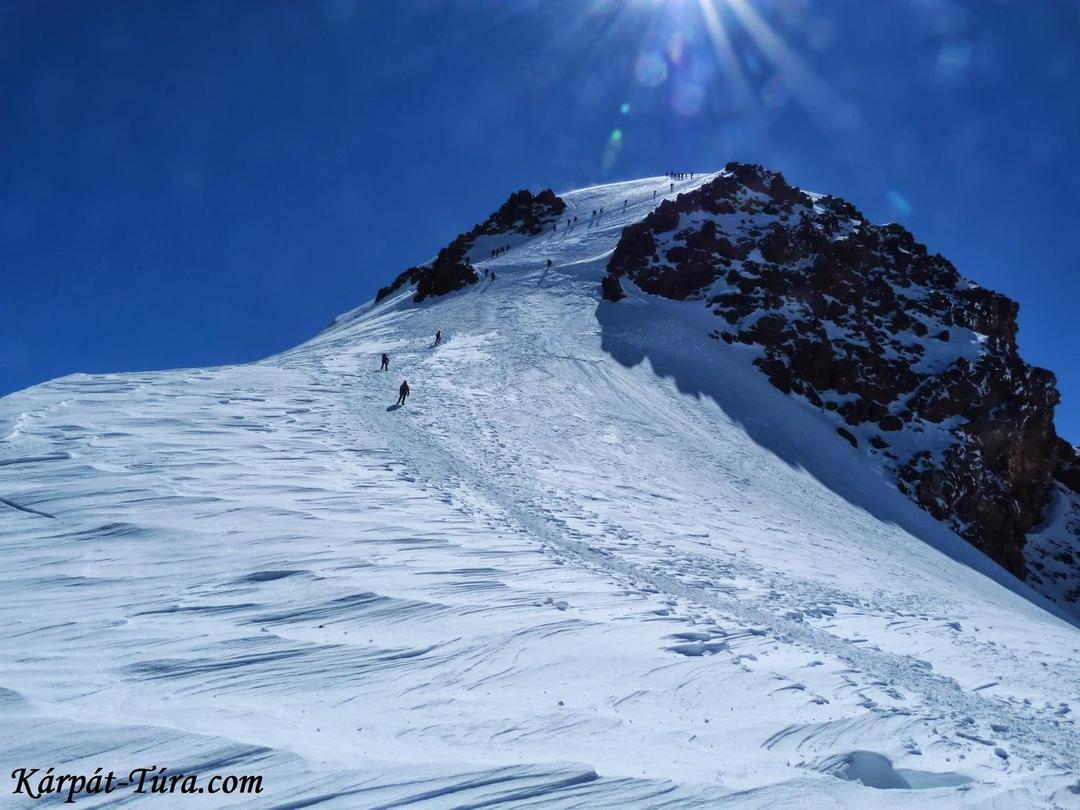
point(552, 579)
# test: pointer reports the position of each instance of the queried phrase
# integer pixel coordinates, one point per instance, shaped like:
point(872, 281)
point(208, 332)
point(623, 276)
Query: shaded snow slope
point(917, 366)
point(573, 571)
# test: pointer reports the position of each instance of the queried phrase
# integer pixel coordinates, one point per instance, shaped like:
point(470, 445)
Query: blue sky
point(199, 183)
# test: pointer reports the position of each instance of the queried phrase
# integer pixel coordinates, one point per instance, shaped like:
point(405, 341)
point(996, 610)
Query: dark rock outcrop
point(524, 213)
point(611, 289)
point(1068, 469)
point(863, 322)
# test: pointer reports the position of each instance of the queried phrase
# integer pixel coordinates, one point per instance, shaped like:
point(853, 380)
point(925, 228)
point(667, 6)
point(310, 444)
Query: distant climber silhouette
point(438, 337)
point(385, 362)
point(403, 392)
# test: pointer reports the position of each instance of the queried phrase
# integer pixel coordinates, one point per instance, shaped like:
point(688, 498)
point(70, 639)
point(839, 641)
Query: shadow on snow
point(637, 329)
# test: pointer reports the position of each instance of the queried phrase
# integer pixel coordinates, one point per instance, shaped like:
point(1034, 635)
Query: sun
point(740, 35)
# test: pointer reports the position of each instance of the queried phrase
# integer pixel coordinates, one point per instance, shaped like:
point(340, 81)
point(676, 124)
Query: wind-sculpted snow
point(576, 570)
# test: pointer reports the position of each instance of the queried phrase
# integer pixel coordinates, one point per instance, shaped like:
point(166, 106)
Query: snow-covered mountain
point(919, 365)
point(609, 554)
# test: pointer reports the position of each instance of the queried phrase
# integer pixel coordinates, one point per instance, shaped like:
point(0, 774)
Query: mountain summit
point(917, 367)
point(712, 494)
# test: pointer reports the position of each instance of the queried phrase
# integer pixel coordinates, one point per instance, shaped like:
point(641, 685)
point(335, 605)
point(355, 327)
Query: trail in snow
point(554, 578)
point(495, 478)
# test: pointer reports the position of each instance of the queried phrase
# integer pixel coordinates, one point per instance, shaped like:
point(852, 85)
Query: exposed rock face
point(1053, 551)
point(918, 365)
point(611, 289)
point(1068, 469)
point(523, 213)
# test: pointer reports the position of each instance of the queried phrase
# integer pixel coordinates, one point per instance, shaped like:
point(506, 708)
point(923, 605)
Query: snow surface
point(596, 560)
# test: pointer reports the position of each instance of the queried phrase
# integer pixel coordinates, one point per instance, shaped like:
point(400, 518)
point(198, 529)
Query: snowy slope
point(553, 579)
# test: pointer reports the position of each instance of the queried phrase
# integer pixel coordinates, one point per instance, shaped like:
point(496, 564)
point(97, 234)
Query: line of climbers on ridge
point(598, 212)
point(404, 390)
point(571, 221)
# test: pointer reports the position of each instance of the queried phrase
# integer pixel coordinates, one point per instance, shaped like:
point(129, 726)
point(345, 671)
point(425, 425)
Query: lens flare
point(651, 69)
point(733, 58)
point(749, 56)
point(611, 150)
point(688, 99)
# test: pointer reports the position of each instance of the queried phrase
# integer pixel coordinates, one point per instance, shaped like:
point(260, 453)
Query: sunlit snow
point(596, 560)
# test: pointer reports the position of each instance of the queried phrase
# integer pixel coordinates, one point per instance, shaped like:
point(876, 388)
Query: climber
point(403, 392)
point(438, 337)
point(385, 362)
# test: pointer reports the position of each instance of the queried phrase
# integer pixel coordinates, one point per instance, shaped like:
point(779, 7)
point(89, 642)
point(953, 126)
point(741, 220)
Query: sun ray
point(714, 25)
point(816, 98)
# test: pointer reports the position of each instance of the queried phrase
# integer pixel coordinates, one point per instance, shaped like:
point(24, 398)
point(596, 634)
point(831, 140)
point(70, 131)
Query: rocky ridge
point(524, 213)
point(918, 366)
